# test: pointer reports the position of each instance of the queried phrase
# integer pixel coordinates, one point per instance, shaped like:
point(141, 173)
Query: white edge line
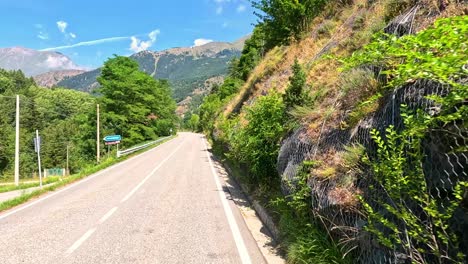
point(107, 215)
point(241, 248)
point(77, 183)
point(80, 241)
point(150, 174)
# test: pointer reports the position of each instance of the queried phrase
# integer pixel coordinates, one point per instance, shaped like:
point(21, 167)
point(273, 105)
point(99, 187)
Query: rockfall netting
point(445, 164)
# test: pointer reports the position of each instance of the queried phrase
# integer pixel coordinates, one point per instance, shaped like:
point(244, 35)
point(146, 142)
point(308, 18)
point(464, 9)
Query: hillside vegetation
point(348, 120)
point(133, 105)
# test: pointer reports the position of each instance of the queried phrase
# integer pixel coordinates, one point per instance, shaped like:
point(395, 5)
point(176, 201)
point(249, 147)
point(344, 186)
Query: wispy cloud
point(138, 45)
point(241, 8)
point(42, 35)
point(201, 42)
point(88, 43)
point(62, 26)
point(41, 32)
point(228, 5)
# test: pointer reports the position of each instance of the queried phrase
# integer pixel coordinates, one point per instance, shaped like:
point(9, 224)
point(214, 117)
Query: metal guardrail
point(121, 153)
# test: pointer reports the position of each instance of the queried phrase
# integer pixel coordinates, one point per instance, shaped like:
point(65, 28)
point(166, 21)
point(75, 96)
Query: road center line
point(150, 174)
point(241, 248)
point(80, 241)
point(107, 215)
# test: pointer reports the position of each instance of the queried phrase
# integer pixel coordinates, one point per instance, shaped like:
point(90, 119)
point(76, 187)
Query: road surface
point(164, 206)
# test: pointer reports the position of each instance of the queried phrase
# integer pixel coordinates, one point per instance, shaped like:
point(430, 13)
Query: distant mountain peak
point(34, 62)
point(186, 68)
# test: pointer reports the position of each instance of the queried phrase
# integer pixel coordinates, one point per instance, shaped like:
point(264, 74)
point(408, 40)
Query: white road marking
point(74, 184)
point(80, 241)
point(241, 248)
point(107, 215)
point(150, 174)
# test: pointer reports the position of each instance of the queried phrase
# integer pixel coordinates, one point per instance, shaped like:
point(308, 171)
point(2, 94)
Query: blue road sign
point(112, 138)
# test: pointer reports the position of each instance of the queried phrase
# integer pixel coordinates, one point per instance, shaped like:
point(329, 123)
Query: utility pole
point(38, 148)
point(17, 141)
point(97, 136)
point(68, 169)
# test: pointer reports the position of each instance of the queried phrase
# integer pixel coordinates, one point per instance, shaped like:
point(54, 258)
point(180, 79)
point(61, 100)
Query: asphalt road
point(167, 205)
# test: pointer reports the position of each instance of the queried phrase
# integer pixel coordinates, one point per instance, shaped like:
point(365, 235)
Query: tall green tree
point(133, 103)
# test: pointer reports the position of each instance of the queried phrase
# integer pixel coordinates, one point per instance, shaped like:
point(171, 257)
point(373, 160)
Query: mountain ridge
point(187, 68)
point(35, 62)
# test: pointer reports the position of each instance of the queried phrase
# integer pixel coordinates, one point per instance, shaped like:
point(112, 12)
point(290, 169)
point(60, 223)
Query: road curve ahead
point(164, 206)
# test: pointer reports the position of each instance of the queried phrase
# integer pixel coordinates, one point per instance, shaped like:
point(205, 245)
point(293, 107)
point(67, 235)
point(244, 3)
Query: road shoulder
point(261, 234)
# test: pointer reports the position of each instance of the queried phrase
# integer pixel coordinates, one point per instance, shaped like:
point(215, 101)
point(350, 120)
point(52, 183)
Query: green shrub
point(258, 141)
point(398, 169)
point(439, 54)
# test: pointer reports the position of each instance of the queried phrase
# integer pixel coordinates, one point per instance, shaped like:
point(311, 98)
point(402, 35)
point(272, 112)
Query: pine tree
point(294, 93)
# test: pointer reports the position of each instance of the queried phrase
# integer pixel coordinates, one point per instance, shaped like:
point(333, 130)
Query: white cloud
point(72, 35)
point(219, 10)
point(138, 45)
point(88, 43)
point(201, 42)
point(59, 62)
point(62, 26)
point(240, 8)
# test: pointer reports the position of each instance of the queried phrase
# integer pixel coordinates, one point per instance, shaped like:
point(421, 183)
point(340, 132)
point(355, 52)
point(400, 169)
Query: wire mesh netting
point(444, 165)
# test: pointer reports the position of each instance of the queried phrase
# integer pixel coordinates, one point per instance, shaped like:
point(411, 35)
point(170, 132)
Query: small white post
point(39, 157)
point(68, 168)
point(17, 141)
point(98, 154)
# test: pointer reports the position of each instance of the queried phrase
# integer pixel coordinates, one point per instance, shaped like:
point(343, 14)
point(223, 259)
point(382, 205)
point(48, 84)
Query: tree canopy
point(133, 103)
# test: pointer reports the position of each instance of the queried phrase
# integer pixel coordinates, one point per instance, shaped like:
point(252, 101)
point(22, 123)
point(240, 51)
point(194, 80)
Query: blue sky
point(93, 30)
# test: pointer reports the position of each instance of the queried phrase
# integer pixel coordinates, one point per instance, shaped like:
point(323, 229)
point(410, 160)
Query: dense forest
point(132, 104)
point(347, 119)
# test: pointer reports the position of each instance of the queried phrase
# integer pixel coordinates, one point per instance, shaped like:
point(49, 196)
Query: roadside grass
point(21, 186)
point(87, 171)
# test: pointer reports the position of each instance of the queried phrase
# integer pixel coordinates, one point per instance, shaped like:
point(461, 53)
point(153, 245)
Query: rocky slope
point(335, 133)
point(33, 62)
point(50, 79)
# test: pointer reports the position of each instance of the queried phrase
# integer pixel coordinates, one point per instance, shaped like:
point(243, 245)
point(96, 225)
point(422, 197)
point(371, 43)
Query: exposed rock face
point(50, 79)
point(403, 24)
